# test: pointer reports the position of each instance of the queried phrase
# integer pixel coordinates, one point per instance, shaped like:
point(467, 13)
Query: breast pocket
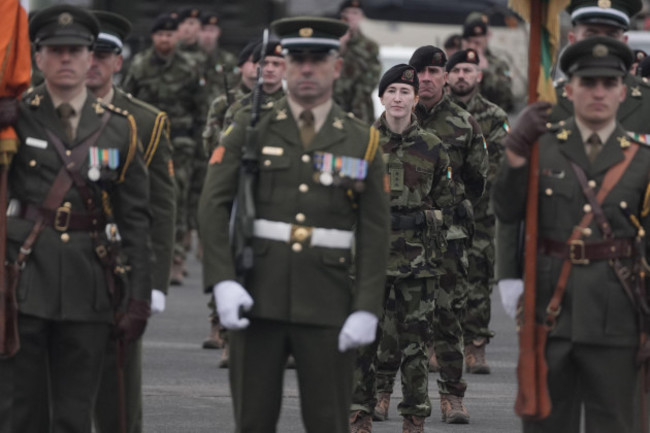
point(556, 202)
point(272, 169)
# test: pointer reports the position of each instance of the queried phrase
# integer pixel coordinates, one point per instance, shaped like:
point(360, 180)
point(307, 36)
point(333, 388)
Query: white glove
point(157, 301)
point(510, 290)
point(231, 297)
point(359, 328)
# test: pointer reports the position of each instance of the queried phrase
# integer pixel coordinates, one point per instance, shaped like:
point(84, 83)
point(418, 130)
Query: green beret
point(311, 34)
point(113, 30)
point(189, 12)
point(428, 55)
point(597, 56)
point(63, 25)
point(209, 19)
point(165, 22)
point(616, 13)
point(405, 74)
point(463, 56)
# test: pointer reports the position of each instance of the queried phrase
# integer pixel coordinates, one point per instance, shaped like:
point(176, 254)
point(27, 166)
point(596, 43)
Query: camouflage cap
point(463, 56)
point(428, 55)
point(309, 34)
point(616, 13)
point(402, 73)
point(210, 19)
point(63, 25)
point(113, 30)
point(597, 56)
point(350, 4)
point(189, 12)
point(476, 24)
point(165, 22)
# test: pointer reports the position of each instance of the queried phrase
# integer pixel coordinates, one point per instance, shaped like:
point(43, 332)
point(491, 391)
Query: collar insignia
point(563, 135)
point(623, 142)
point(36, 100)
point(636, 92)
point(338, 123)
point(282, 114)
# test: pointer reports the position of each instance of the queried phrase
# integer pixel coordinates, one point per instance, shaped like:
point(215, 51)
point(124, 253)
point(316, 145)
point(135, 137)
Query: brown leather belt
point(62, 219)
point(581, 253)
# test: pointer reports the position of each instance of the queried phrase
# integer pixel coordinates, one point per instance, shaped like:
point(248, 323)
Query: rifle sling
point(612, 177)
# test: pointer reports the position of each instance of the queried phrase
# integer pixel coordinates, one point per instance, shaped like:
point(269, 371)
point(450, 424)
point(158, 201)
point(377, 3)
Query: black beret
point(463, 56)
point(402, 73)
point(453, 41)
point(475, 28)
point(312, 34)
point(210, 19)
point(113, 30)
point(643, 70)
point(247, 52)
point(428, 55)
point(165, 21)
point(639, 55)
point(273, 48)
point(597, 56)
point(616, 13)
point(63, 25)
point(189, 12)
point(350, 4)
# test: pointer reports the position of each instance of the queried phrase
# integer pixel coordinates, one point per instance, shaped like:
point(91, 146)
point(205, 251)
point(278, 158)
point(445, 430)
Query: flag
point(15, 65)
point(550, 41)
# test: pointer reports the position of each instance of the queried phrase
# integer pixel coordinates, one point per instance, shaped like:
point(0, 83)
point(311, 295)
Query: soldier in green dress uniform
point(77, 184)
point(320, 188)
point(153, 134)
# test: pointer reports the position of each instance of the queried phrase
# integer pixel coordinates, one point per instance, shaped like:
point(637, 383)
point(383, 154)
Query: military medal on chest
point(101, 158)
point(340, 170)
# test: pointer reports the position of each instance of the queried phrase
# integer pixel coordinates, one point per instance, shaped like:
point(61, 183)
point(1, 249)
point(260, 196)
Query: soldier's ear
point(568, 89)
point(480, 76)
point(118, 63)
point(415, 101)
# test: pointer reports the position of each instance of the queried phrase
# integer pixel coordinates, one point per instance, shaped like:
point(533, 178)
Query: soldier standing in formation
point(298, 298)
point(496, 85)
point(593, 191)
point(77, 182)
point(417, 165)
point(463, 80)
point(169, 80)
point(361, 66)
point(153, 134)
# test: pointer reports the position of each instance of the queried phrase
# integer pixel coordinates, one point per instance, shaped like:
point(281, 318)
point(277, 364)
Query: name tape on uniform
point(36, 142)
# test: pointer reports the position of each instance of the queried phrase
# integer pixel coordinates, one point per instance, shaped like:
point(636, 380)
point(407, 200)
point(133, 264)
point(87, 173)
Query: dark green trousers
point(601, 379)
point(107, 406)
point(258, 355)
point(50, 385)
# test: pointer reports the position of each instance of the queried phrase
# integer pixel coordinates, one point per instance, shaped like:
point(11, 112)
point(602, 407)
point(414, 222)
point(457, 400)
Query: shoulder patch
point(643, 139)
point(217, 155)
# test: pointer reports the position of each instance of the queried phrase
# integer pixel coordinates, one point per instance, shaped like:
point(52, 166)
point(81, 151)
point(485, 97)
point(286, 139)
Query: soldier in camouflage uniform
point(496, 85)
point(170, 81)
point(361, 66)
point(417, 164)
point(462, 137)
point(463, 81)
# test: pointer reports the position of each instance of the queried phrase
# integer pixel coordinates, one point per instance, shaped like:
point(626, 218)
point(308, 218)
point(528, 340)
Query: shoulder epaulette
point(110, 107)
point(554, 127)
point(141, 103)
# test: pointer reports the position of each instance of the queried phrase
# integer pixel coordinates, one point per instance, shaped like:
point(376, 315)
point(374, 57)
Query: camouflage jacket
point(494, 125)
point(416, 163)
point(171, 85)
point(221, 73)
point(360, 75)
point(467, 150)
point(217, 113)
point(496, 84)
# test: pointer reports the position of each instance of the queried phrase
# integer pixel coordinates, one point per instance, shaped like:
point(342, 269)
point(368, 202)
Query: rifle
point(243, 215)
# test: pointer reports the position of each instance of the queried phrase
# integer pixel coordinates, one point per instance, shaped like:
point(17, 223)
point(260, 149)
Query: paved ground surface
point(185, 391)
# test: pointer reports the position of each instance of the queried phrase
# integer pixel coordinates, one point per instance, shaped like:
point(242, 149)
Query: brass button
point(586, 231)
point(296, 247)
point(65, 237)
point(623, 205)
point(341, 259)
point(592, 184)
point(32, 163)
point(68, 152)
point(586, 208)
point(548, 191)
point(306, 158)
point(300, 218)
point(67, 204)
point(267, 162)
point(303, 187)
point(301, 234)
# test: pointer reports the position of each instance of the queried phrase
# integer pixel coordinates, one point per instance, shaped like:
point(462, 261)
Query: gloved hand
point(132, 324)
point(158, 299)
point(8, 112)
point(359, 328)
point(510, 290)
point(231, 297)
point(530, 125)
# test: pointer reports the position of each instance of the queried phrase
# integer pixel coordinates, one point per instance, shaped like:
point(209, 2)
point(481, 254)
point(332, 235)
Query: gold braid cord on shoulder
point(645, 210)
point(373, 144)
point(159, 126)
point(133, 147)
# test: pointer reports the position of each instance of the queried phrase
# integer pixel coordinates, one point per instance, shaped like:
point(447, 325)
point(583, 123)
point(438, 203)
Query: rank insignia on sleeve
point(282, 114)
point(217, 155)
point(338, 123)
point(563, 135)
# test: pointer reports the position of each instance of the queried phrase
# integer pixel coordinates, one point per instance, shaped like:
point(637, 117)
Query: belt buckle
point(577, 259)
point(300, 233)
point(62, 215)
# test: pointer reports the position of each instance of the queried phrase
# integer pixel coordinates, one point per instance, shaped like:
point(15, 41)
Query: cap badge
point(306, 32)
point(437, 58)
point(65, 19)
point(478, 30)
point(599, 50)
point(407, 75)
point(470, 55)
point(278, 49)
point(605, 4)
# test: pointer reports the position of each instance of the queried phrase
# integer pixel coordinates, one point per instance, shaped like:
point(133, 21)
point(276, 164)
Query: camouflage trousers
point(183, 157)
point(481, 280)
point(199, 170)
point(410, 303)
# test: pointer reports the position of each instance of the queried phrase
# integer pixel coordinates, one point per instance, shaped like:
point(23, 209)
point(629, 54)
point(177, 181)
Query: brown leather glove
point(531, 124)
point(132, 324)
point(8, 112)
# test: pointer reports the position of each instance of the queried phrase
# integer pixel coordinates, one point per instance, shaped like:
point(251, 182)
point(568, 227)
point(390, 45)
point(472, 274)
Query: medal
point(94, 173)
point(326, 178)
point(93, 162)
